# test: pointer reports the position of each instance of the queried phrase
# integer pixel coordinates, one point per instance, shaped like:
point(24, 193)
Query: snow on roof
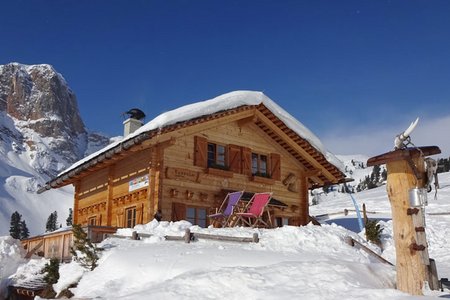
point(223, 102)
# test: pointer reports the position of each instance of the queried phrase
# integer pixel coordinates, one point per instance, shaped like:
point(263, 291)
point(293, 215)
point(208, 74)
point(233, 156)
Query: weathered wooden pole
point(405, 180)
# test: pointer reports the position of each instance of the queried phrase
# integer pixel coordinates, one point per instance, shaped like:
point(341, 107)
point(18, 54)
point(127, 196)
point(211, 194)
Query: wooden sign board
point(182, 174)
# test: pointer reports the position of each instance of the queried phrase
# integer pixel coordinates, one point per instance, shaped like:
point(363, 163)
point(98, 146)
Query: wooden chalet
point(181, 169)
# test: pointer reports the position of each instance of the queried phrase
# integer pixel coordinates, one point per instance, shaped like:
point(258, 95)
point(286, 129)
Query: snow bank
point(11, 256)
point(68, 274)
point(312, 262)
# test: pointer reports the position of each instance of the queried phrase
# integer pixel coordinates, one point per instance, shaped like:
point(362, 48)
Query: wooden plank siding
point(241, 142)
point(176, 164)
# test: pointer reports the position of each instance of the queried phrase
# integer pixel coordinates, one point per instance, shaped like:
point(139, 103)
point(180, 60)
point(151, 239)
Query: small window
point(130, 217)
point(259, 165)
point(92, 221)
point(216, 155)
point(196, 215)
point(281, 221)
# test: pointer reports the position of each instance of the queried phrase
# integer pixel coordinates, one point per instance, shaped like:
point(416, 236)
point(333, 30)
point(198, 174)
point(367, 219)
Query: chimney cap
point(135, 113)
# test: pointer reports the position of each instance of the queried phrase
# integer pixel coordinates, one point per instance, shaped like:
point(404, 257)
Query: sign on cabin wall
point(182, 174)
point(138, 182)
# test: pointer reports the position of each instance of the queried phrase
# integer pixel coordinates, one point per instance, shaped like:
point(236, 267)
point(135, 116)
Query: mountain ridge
point(41, 133)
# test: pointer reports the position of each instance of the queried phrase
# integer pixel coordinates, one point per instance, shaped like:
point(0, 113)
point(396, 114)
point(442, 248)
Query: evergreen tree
point(55, 220)
point(83, 251)
point(384, 174)
point(376, 174)
point(69, 218)
point(51, 222)
point(14, 230)
point(24, 232)
point(51, 270)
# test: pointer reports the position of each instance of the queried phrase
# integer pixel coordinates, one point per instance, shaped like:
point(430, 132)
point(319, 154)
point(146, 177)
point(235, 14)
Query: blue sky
point(355, 72)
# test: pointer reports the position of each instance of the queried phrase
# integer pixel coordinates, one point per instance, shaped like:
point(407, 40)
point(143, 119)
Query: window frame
point(216, 162)
point(196, 218)
point(92, 221)
point(281, 221)
point(130, 222)
point(257, 170)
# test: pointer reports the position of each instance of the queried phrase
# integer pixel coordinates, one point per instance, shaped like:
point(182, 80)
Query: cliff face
point(45, 112)
point(41, 134)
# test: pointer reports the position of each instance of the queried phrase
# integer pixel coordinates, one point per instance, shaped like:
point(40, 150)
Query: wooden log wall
point(204, 189)
point(104, 194)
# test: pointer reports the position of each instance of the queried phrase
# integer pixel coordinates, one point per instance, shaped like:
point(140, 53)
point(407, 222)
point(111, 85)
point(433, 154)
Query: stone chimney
point(131, 125)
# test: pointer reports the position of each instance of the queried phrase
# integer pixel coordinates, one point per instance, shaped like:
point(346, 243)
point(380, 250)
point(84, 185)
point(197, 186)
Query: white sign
point(137, 183)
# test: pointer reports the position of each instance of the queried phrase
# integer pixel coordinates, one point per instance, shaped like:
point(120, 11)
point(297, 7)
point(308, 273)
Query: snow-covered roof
point(223, 102)
point(188, 112)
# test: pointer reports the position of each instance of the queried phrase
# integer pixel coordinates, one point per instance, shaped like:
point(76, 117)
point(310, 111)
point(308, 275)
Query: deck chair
point(253, 213)
point(224, 213)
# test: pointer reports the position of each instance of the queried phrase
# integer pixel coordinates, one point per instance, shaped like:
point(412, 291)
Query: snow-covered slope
point(355, 166)
point(41, 133)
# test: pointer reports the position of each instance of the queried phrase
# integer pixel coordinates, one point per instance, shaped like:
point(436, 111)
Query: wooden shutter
point(234, 158)
point(178, 211)
point(200, 151)
point(246, 159)
point(275, 166)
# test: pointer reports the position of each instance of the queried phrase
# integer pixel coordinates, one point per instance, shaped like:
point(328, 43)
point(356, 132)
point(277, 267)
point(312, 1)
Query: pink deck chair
point(255, 209)
point(223, 215)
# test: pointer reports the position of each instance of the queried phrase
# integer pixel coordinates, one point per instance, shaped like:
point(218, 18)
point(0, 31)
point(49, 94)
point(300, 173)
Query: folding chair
point(224, 214)
point(255, 209)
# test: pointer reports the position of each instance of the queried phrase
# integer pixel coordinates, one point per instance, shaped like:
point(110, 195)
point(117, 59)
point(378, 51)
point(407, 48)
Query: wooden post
point(187, 236)
point(110, 196)
point(406, 171)
point(255, 238)
point(75, 202)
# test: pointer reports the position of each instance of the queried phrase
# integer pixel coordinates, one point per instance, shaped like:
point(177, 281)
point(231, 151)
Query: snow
point(72, 273)
point(11, 257)
point(26, 161)
point(309, 262)
point(223, 102)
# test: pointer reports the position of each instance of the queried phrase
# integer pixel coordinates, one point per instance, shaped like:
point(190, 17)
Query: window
point(130, 217)
point(92, 221)
point(216, 155)
point(196, 215)
point(281, 221)
point(259, 165)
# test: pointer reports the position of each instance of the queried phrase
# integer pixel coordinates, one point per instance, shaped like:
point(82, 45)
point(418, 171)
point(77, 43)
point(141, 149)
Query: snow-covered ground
point(308, 262)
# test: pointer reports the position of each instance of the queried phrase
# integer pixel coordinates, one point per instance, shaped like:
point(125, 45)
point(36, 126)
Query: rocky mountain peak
point(40, 96)
point(45, 113)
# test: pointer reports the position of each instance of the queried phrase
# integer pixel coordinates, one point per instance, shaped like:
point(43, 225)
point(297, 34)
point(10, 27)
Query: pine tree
point(384, 174)
point(51, 222)
point(24, 232)
point(51, 270)
point(48, 225)
point(55, 220)
point(69, 218)
point(14, 230)
point(83, 251)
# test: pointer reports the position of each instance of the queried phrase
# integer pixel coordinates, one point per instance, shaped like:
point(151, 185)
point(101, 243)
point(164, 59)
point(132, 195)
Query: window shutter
point(275, 166)
point(234, 158)
point(178, 211)
point(246, 159)
point(200, 151)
